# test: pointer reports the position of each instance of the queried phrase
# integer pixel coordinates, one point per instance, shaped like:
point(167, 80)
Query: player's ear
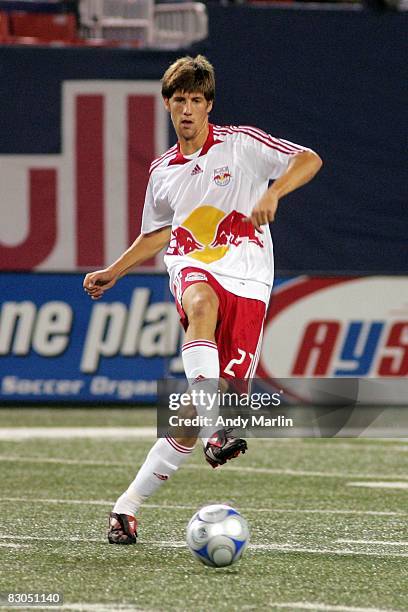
point(209, 106)
point(166, 103)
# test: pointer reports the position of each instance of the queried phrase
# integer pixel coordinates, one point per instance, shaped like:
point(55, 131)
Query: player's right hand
point(96, 283)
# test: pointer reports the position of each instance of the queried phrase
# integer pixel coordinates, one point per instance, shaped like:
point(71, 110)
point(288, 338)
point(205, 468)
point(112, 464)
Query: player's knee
point(198, 308)
point(201, 306)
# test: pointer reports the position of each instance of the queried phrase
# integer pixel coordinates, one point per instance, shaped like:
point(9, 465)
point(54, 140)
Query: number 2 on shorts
point(229, 368)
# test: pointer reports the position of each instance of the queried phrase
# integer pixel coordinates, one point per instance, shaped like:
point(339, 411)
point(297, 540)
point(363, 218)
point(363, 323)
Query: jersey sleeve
point(157, 212)
point(265, 156)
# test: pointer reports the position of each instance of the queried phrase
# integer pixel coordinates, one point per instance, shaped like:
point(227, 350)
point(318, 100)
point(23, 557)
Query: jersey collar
point(210, 142)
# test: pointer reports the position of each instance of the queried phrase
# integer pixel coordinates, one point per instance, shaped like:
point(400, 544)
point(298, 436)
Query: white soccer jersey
point(206, 199)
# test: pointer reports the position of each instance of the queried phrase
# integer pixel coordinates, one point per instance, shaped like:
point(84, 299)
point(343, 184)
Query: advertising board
point(57, 345)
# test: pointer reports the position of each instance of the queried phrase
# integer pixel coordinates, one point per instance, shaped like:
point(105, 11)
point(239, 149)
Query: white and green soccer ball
point(217, 535)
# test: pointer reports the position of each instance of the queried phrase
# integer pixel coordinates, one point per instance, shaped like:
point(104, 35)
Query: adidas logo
point(161, 476)
point(196, 170)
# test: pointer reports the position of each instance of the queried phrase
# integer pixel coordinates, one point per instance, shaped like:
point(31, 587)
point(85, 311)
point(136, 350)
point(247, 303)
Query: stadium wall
point(79, 127)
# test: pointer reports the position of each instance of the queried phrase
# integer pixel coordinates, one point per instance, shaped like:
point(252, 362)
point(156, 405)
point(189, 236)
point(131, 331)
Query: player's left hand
point(264, 211)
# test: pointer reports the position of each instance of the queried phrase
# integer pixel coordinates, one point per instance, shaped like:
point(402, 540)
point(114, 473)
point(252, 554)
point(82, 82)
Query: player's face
point(189, 114)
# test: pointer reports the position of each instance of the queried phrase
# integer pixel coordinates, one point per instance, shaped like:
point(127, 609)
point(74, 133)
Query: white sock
point(200, 358)
point(201, 361)
point(162, 461)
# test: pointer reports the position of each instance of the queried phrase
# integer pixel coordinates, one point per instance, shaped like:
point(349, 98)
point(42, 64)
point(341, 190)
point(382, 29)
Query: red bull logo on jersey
point(337, 327)
point(182, 242)
point(222, 176)
point(208, 233)
point(233, 228)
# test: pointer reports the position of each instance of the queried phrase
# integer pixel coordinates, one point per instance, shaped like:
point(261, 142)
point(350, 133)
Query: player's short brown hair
point(189, 74)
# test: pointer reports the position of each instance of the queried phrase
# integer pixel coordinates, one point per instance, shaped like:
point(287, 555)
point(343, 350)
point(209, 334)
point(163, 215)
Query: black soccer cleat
point(221, 448)
point(122, 529)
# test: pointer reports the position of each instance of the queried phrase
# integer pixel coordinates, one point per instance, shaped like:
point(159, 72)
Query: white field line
point(389, 448)
point(203, 466)
point(284, 548)
point(48, 539)
point(171, 507)
point(291, 548)
point(11, 545)
point(303, 605)
point(79, 539)
point(16, 459)
point(396, 445)
point(380, 485)
point(374, 448)
point(376, 542)
point(25, 433)
point(289, 472)
point(365, 441)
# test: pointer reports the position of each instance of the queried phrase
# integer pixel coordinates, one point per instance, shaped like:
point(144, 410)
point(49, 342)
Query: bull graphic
point(182, 242)
point(232, 229)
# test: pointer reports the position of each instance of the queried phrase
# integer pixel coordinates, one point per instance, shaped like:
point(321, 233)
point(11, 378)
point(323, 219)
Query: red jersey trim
point(210, 142)
point(290, 146)
point(159, 160)
point(272, 144)
point(266, 139)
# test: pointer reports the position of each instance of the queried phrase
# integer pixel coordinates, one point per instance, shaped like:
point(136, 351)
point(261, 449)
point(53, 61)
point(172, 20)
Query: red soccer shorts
point(239, 326)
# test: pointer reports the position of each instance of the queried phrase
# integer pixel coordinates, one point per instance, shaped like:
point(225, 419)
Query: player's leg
point(200, 352)
point(200, 358)
point(239, 337)
point(200, 306)
point(162, 461)
point(201, 302)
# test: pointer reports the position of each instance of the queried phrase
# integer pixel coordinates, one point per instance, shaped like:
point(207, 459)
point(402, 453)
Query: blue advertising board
point(58, 345)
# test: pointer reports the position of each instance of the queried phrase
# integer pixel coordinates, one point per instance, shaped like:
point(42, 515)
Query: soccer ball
point(217, 535)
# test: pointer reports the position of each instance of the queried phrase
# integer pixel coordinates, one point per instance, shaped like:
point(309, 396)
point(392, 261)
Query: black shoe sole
point(122, 543)
point(240, 446)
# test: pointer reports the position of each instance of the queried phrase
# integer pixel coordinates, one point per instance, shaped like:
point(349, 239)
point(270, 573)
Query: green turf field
point(317, 543)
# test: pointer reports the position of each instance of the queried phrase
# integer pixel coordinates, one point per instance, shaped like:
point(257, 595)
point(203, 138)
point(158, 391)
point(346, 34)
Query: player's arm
point(144, 247)
point(301, 169)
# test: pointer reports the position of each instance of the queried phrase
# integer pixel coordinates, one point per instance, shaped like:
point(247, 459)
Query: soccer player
point(208, 201)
